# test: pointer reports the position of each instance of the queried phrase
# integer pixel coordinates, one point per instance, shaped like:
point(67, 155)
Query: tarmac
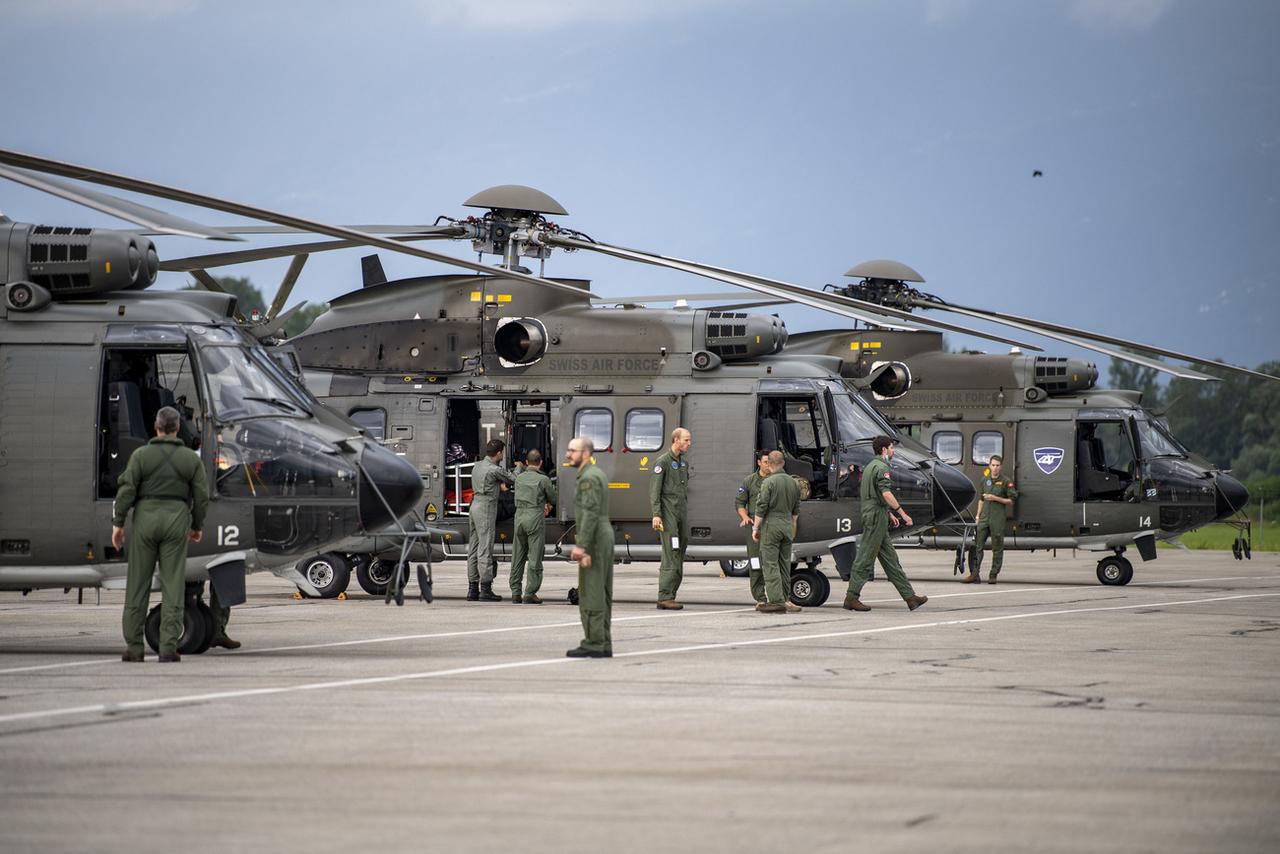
point(1046, 713)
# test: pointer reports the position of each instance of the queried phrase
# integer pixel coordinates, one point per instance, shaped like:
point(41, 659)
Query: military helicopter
point(87, 357)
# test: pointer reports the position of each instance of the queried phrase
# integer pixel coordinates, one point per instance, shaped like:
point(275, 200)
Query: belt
point(183, 498)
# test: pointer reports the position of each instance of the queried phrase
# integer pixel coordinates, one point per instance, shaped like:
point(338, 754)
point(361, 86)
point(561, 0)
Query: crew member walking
point(879, 507)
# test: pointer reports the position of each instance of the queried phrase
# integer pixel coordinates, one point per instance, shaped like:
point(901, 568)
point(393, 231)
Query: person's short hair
point(587, 445)
point(777, 460)
point(494, 446)
point(763, 454)
point(678, 432)
point(168, 420)
point(533, 458)
point(879, 443)
point(996, 458)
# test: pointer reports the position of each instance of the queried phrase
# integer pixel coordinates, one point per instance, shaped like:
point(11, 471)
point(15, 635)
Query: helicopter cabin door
point(629, 433)
point(1108, 467)
point(723, 453)
point(797, 423)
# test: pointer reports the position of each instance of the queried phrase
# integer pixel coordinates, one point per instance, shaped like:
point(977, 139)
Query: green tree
point(1135, 377)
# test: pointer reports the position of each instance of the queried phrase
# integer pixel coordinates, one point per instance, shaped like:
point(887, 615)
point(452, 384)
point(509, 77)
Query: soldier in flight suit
point(534, 497)
point(746, 505)
point(877, 501)
point(487, 480)
point(669, 502)
point(777, 510)
point(164, 484)
point(593, 550)
point(993, 507)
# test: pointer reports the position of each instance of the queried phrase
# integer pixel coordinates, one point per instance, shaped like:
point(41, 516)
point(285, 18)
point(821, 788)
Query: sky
point(790, 140)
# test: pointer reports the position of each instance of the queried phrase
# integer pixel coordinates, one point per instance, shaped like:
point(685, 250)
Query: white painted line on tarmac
point(165, 702)
point(667, 615)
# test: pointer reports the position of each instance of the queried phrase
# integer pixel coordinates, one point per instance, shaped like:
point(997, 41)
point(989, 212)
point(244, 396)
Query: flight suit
point(533, 492)
point(991, 523)
point(483, 518)
point(669, 500)
point(747, 495)
point(777, 505)
point(874, 542)
point(164, 484)
point(594, 533)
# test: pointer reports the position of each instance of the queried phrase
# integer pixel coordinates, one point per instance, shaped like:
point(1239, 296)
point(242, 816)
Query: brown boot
point(669, 605)
point(226, 642)
point(792, 607)
point(532, 599)
point(971, 578)
point(771, 608)
point(170, 656)
point(914, 602)
point(851, 603)
point(130, 655)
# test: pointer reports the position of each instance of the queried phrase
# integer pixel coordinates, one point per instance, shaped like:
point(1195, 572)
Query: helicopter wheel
point(375, 575)
point(1115, 571)
point(194, 629)
point(329, 574)
point(210, 627)
point(809, 588)
point(736, 568)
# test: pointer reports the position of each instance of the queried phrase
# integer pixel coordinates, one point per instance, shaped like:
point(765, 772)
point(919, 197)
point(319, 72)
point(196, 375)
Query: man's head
point(533, 459)
point(997, 463)
point(494, 448)
point(882, 446)
point(681, 439)
point(167, 421)
point(762, 462)
point(777, 462)
point(579, 452)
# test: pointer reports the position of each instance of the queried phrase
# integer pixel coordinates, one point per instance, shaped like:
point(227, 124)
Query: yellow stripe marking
point(504, 297)
point(619, 486)
point(475, 296)
point(108, 266)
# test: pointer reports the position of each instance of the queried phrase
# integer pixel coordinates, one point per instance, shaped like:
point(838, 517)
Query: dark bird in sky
point(1037, 174)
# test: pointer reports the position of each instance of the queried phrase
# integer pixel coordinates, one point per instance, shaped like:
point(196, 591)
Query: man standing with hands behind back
point(669, 501)
point(593, 550)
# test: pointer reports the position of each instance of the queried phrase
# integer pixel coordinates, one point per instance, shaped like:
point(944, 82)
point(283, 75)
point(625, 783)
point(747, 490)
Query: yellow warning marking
point(342, 597)
point(871, 345)
point(431, 508)
point(757, 339)
point(619, 486)
point(504, 297)
point(108, 266)
point(853, 345)
point(644, 461)
point(475, 296)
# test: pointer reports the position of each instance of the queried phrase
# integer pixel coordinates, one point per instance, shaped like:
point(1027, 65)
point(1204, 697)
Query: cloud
point(514, 15)
point(1119, 14)
point(74, 10)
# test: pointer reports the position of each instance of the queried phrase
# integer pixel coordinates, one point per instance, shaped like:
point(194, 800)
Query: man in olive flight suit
point(487, 480)
point(879, 507)
point(777, 511)
point(593, 550)
point(669, 503)
point(534, 497)
point(164, 484)
point(746, 505)
point(993, 508)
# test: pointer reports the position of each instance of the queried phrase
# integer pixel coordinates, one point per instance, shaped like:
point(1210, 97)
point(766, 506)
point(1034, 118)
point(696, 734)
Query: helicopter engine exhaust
point(72, 263)
point(520, 341)
point(887, 380)
point(736, 336)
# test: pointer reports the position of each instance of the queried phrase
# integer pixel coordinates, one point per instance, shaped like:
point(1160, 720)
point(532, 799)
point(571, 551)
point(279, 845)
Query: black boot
point(473, 591)
point(487, 594)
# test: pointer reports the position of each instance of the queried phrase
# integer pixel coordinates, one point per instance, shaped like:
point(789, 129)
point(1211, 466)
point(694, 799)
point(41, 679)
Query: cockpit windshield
point(858, 421)
point(1157, 441)
point(242, 384)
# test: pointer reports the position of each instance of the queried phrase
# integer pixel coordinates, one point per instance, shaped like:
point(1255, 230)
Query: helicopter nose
point(954, 493)
point(1232, 495)
point(398, 487)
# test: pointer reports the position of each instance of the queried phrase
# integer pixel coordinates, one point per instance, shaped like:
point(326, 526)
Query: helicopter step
point(198, 624)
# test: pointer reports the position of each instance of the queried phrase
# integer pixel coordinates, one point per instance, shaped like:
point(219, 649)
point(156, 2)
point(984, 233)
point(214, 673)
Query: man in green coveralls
point(669, 503)
point(746, 505)
point(534, 497)
point(593, 550)
point(487, 480)
point(164, 484)
point(777, 511)
point(879, 507)
point(993, 507)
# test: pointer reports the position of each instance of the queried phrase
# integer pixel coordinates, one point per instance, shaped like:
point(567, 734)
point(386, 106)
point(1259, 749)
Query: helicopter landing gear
point(1115, 570)
point(329, 574)
point(375, 575)
point(735, 568)
point(198, 625)
point(809, 587)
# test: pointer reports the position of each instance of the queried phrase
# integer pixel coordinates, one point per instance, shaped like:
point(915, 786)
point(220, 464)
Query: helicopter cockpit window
point(1105, 464)
point(986, 443)
point(372, 420)
point(1156, 442)
point(275, 459)
point(797, 426)
point(948, 446)
point(596, 425)
point(644, 430)
point(855, 420)
point(241, 386)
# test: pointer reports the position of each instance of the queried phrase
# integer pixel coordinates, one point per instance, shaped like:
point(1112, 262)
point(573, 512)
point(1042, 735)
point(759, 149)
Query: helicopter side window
point(596, 425)
point(371, 419)
point(986, 444)
point(1105, 464)
point(948, 446)
point(644, 430)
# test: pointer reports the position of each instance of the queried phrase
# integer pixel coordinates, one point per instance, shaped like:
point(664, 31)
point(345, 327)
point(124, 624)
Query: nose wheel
point(809, 587)
point(1115, 571)
point(198, 626)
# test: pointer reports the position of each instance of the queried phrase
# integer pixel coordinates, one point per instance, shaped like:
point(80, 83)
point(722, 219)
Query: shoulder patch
point(1010, 484)
point(742, 489)
point(584, 484)
point(886, 476)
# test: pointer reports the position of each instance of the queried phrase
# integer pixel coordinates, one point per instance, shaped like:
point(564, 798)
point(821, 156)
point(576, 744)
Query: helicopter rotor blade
point(286, 285)
point(137, 185)
point(158, 221)
point(211, 284)
point(273, 327)
point(226, 259)
point(642, 299)
point(1163, 367)
point(1105, 339)
point(835, 303)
